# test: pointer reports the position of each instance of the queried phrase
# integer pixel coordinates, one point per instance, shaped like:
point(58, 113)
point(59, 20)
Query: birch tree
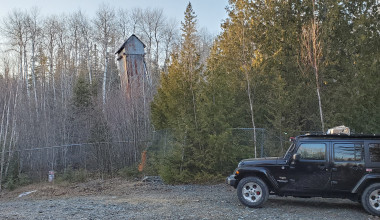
point(86, 41)
point(3, 136)
point(34, 29)
point(135, 17)
point(311, 55)
point(7, 131)
point(244, 49)
point(50, 34)
point(169, 39)
point(14, 30)
point(124, 24)
point(105, 25)
point(74, 35)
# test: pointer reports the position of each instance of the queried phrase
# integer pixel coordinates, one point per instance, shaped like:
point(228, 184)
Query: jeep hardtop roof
point(339, 136)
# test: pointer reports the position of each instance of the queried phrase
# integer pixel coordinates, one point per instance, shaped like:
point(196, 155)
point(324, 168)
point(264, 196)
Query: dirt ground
point(121, 199)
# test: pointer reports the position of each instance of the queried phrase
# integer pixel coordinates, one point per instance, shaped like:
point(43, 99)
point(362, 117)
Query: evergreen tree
point(82, 94)
point(175, 106)
point(351, 64)
point(81, 111)
point(261, 47)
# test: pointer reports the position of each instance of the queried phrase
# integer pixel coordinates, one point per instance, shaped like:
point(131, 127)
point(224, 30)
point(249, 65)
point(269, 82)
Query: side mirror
point(296, 157)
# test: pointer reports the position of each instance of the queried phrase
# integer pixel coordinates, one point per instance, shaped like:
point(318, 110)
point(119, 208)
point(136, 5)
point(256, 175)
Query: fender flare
point(251, 170)
point(364, 180)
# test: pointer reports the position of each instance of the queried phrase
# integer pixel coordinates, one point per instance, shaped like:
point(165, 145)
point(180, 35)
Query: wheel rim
point(252, 192)
point(374, 199)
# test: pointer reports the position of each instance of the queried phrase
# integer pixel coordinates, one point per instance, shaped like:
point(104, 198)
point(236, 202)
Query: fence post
point(262, 142)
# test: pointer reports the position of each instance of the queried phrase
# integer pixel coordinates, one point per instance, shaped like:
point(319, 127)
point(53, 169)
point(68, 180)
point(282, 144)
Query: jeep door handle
point(322, 167)
point(355, 167)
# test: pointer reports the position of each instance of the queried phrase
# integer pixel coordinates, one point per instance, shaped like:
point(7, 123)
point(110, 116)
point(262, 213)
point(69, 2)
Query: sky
point(210, 13)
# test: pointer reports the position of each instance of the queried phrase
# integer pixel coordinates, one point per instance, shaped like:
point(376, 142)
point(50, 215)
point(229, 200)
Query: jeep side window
point(374, 152)
point(348, 152)
point(312, 151)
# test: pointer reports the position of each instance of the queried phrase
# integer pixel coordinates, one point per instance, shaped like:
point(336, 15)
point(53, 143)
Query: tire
point(371, 199)
point(252, 192)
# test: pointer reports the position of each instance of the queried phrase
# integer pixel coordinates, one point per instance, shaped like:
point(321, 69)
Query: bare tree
point(105, 25)
point(151, 25)
point(311, 54)
point(204, 44)
point(245, 67)
point(123, 24)
point(4, 125)
point(46, 55)
point(146, 27)
point(12, 141)
point(158, 30)
point(2, 147)
point(7, 66)
point(135, 17)
point(85, 35)
point(74, 34)
point(62, 58)
point(34, 31)
point(15, 31)
point(169, 38)
point(50, 33)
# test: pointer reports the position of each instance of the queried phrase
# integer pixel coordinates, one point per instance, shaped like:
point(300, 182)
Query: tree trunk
point(89, 66)
point(26, 72)
point(104, 81)
point(13, 132)
point(250, 98)
point(4, 139)
point(34, 76)
point(251, 110)
point(320, 108)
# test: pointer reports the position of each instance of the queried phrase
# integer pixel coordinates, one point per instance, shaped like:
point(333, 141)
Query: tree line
point(289, 67)
point(59, 84)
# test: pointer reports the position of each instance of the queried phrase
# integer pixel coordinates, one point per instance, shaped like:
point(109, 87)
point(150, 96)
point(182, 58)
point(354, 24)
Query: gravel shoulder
point(120, 199)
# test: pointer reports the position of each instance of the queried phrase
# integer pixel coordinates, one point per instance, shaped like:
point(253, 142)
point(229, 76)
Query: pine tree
point(175, 106)
point(82, 94)
point(81, 111)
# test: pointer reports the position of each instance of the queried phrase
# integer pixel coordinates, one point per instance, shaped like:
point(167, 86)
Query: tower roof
point(127, 41)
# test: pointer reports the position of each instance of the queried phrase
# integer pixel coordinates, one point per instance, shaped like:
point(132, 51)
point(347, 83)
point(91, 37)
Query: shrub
point(129, 172)
point(72, 176)
point(16, 180)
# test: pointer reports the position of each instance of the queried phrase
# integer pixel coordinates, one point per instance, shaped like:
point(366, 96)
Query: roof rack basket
point(339, 130)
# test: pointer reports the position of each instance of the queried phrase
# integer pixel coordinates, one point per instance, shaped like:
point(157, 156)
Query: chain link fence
point(268, 143)
point(108, 157)
point(104, 157)
point(216, 154)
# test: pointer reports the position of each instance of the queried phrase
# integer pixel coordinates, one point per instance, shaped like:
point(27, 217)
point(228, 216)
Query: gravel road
point(119, 199)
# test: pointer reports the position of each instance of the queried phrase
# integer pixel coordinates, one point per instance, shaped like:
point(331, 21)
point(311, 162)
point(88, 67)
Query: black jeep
point(330, 166)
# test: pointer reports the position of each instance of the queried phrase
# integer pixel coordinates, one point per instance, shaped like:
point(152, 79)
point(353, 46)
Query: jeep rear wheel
point(371, 199)
point(252, 192)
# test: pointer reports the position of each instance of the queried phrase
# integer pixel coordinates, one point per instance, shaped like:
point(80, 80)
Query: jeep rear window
point(374, 152)
point(312, 151)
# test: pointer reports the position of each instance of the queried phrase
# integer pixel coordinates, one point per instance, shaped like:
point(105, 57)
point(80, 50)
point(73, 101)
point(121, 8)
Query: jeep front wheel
point(371, 199)
point(252, 192)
